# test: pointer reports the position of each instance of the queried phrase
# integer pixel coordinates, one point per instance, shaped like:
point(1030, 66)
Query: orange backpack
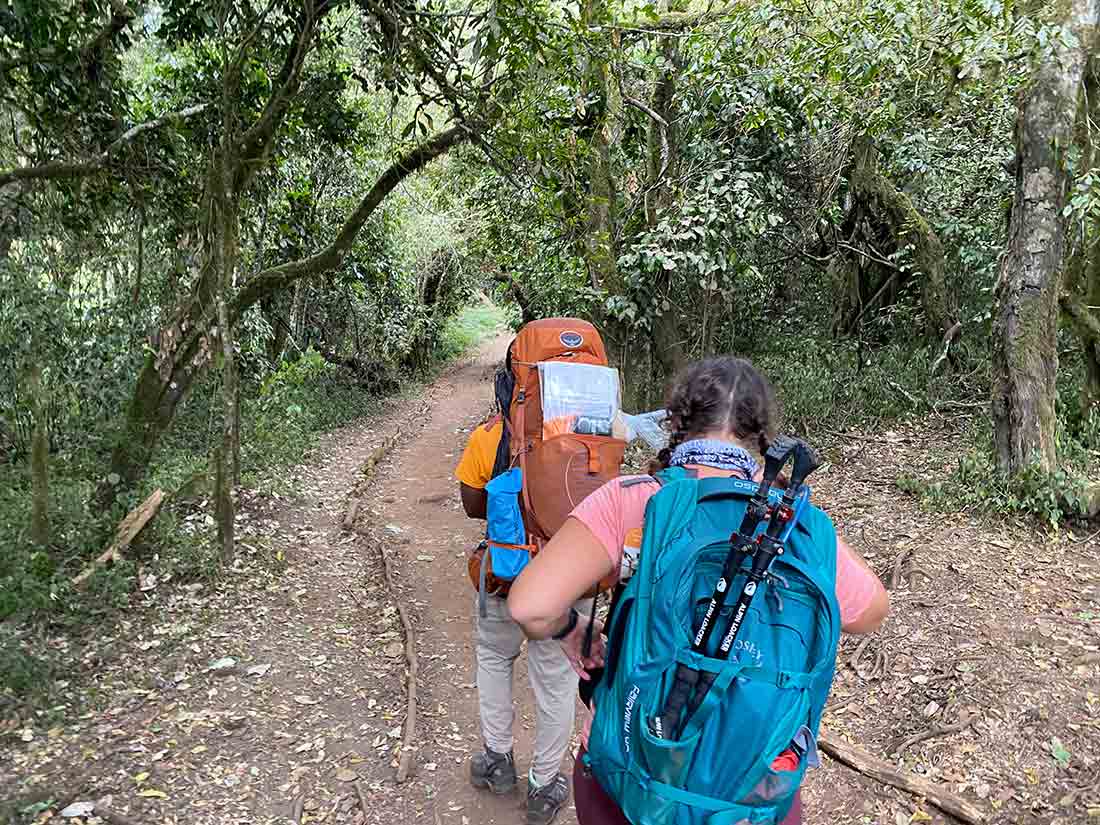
point(562, 458)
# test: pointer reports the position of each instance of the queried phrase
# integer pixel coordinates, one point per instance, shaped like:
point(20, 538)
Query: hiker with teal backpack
point(707, 708)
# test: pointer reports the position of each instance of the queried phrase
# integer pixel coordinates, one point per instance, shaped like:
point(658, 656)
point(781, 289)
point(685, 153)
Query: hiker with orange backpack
point(551, 444)
point(690, 726)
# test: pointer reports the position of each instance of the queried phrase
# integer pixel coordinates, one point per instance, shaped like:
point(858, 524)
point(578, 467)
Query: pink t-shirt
point(613, 510)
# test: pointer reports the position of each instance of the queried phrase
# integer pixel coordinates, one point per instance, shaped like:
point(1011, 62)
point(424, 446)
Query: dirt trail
point(277, 690)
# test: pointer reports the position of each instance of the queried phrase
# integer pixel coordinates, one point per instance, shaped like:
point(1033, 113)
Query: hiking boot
point(495, 771)
point(543, 803)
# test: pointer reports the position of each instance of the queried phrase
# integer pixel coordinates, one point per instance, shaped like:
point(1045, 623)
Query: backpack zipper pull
point(775, 579)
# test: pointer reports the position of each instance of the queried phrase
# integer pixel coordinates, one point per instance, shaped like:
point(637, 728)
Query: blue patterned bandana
point(713, 453)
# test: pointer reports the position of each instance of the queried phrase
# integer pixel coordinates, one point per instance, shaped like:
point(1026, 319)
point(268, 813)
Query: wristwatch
point(569, 625)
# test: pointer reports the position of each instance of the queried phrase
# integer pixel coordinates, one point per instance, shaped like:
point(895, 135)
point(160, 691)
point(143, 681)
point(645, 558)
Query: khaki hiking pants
point(499, 640)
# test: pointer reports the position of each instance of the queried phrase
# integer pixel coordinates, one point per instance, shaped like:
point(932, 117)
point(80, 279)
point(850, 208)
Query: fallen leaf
point(78, 809)
point(305, 700)
point(153, 793)
point(1059, 752)
point(141, 777)
point(258, 670)
point(224, 663)
point(430, 766)
point(425, 558)
point(393, 649)
point(345, 775)
point(395, 733)
point(920, 816)
point(198, 749)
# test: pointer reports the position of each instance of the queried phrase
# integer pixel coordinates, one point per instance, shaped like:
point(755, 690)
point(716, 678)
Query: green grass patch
point(1069, 494)
point(468, 329)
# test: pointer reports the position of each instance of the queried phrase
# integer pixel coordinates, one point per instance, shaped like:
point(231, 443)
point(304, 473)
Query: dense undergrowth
point(282, 416)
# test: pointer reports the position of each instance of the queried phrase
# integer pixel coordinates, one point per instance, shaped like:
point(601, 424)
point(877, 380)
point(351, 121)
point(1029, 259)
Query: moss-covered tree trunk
point(1025, 352)
point(40, 462)
point(184, 348)
point(1081, 300)
point(880, 220)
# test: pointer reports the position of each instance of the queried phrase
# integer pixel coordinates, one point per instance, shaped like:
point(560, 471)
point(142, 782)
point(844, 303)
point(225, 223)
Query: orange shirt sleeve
point(475, 468)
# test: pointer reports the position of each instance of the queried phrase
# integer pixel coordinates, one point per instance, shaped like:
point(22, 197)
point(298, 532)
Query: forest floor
point(277, 692)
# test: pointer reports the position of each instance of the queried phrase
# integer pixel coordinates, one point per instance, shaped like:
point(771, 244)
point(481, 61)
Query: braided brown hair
point(722, 393)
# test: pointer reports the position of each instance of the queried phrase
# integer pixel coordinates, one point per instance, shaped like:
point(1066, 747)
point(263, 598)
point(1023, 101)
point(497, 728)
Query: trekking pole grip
point(805, 462)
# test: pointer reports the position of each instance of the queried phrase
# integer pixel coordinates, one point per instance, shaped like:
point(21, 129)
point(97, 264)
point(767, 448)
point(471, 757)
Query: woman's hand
point(573, 644)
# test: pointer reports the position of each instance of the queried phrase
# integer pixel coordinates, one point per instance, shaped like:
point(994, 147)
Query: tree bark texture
point(1025, 352)
point(40, 463)
point(1081, 300)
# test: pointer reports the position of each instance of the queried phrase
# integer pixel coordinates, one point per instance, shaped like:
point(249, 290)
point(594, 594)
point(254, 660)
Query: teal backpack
point(766, 699)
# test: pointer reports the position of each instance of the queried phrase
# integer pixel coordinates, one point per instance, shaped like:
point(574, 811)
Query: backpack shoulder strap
point(636, 480)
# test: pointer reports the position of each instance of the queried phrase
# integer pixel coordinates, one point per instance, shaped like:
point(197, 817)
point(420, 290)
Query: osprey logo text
point(628, 714)
point(750, 588)
point(571, 339)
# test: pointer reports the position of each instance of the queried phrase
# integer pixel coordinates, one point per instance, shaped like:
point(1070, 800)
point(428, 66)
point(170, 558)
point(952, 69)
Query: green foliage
point(469, 328)
point(1054, 499)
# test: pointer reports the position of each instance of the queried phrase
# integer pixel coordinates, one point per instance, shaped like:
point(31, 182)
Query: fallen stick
point(127, 531)
point(361, 792)
point(899, 563)
point(938, 730)
point(408, 737)
point(853, 663)
point(862, 762)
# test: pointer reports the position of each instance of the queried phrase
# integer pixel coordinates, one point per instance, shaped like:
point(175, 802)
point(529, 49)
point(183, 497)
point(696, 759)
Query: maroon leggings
point(595, 807)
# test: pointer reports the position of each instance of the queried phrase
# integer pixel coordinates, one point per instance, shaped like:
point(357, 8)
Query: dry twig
point(938, 730)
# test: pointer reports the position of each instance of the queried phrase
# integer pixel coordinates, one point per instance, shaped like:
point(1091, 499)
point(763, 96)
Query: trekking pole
point(768, 546)
point(742, 543)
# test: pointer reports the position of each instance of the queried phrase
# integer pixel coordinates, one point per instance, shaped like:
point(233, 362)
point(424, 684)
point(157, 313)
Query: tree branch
point(257, 140)
point(637, 104)
point(277, 277)
point(74, 169)
point(678, 20)
point(1084, 322)
point(121, 17)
